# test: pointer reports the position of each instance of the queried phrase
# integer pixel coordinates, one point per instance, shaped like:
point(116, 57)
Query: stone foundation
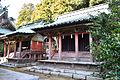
point(75, 74)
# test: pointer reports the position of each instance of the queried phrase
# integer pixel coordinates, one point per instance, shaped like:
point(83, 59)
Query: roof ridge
point(83, 9)
point(31, 23)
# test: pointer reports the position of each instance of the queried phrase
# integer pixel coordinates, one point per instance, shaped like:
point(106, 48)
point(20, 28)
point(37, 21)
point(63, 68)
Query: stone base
point(75, 74)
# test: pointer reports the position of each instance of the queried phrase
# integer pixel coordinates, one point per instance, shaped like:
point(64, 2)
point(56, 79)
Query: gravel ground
point(13, 75)
point(42, 76)
point(49, 77)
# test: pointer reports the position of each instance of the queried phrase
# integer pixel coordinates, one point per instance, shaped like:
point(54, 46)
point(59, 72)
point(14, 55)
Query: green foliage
point(1, 49)
point(25, 14)
point(47, 10)
point(102, 23)
point(106, 46)
point(108, 51)
point(95, 2)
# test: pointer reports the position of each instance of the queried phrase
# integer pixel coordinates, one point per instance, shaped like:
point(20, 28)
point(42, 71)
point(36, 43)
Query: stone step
point(75, 74)
point(88, 66)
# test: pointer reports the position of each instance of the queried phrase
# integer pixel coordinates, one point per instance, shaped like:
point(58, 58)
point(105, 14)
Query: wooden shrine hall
point(68, 37)
point(72, 33)
point(25, 42)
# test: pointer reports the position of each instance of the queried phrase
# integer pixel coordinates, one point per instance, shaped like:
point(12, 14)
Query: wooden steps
point(71, 56)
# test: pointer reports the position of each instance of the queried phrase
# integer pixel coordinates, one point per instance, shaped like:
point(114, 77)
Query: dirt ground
point(42, 76)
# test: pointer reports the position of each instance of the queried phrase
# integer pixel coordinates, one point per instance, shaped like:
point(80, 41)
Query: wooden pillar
point(5, 54)
point(60, 46)
point(14, 49)
point(31, 48)
point(76, 45)
point(50, 46)
point(8, 52)
point(31, 45)
point(20, 47)
point(90, 41)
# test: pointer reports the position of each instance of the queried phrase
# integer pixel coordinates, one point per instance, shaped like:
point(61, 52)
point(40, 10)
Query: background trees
point(95, 2)
point(48, 10)
point(25, 14)
point(1, 49)
point(106, 46)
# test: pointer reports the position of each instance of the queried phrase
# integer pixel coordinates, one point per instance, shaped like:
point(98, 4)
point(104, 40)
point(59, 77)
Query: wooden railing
point(33, 54)
point(53, 53)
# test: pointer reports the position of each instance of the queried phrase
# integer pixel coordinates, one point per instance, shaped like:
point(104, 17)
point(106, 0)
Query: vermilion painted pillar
point(31, 43)
point(50, 47)
point(76, 44)
point(20, 47)
point(14, 49)
point(60, 46)
point(5, 49)
point(8, 53)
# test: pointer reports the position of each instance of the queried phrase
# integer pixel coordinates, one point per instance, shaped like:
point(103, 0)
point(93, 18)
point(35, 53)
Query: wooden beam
point(65, 27)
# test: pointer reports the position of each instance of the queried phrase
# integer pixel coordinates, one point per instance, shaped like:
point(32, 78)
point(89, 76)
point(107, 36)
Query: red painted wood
point(5, 53)
point(36, 46)
point(76, 43)
point(72, 54)
point(65, 34)
point(60, 46)
point(39, 45)
point(8, 49)
point(15, 49)
point(50, 46)
point(34, 43)
point(31, 45)
point(20, 47)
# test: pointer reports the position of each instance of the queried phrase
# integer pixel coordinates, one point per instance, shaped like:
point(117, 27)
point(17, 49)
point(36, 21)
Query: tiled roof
point(75, 16)
point(26, 29)
point(33, 25)
point(20, 31)
point(2, 13)
point(5, 22)
point(4, 31)
point(79, 15)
